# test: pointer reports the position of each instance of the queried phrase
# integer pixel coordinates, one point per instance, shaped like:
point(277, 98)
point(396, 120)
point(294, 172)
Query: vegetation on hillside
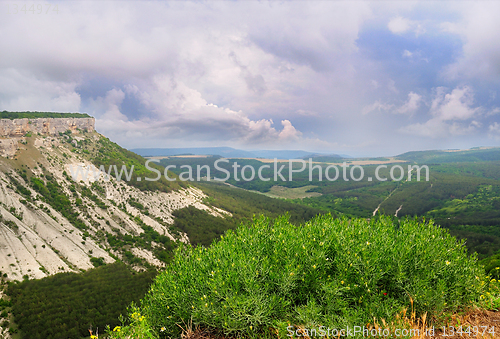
point(245, 205)
point(66, 305)
point(270, 275)
point(108, 153)
point(438, 157)
point(36, 115)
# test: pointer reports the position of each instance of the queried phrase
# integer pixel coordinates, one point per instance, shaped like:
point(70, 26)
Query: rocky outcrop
point(44, 126)
point(9, 147)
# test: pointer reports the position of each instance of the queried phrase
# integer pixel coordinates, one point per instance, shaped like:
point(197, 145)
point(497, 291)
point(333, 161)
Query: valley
point(63, 221)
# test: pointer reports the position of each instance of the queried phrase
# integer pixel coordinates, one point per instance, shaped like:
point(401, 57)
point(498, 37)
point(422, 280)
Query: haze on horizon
point(359, 78)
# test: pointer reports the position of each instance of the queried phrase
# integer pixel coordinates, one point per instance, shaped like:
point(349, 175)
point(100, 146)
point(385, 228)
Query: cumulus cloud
point(450, 112)
point(23, 91)
point(181, 113)
point(479, 30)
point(400, 25)
point(456, 105)
point(410, 106)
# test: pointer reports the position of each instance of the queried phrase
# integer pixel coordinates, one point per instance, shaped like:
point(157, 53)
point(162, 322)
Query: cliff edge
point(44, 126)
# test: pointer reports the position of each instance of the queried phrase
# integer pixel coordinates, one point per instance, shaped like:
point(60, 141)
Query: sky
point(374, 78)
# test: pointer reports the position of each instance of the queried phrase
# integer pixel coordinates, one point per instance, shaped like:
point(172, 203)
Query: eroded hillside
point(52, 223)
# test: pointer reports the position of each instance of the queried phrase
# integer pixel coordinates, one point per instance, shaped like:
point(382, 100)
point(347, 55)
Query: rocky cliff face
point(110, 220)
point(44, 126)
point(9, 146)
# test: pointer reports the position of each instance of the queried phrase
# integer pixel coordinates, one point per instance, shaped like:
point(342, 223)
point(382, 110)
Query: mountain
point(60, 213)
point(55, 218)
point(228, 152)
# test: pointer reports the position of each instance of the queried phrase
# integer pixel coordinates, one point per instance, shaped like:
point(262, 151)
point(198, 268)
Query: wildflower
point(342, 282)
point(385, 293)
point(314, 266)
point(368, 243)
point(447, 262)
point(117, 329)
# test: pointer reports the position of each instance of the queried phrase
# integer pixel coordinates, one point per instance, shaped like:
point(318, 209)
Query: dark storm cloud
point(349, 77)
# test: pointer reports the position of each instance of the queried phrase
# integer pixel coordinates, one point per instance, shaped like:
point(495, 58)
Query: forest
point(461, 194)
point(66, 305)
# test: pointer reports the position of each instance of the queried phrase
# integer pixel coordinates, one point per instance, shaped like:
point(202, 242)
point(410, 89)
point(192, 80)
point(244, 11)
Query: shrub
point(328, 272)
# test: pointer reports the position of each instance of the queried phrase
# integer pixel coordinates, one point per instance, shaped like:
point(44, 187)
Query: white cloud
point(399, 25)
point(479, 29)
point(450, 113)
point(407, 54)
point(289, 133)
point(182, 112)
point(376, 106)
point(108, 108)
point(410, 106)
point(494, 131)
point(23, 91)
point(456, 105)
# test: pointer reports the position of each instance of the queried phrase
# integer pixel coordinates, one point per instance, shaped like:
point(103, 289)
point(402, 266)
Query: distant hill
point(448, 156)
point(228, 152)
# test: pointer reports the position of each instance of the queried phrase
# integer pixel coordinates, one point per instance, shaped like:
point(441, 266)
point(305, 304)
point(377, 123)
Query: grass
point(264, 277)
point(292, 193)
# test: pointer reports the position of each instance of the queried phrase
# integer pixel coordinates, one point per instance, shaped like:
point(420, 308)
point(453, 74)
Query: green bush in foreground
point(328, 272)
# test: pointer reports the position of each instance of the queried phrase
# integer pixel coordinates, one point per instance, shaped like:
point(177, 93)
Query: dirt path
point(375, 212)
point(399, 209)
